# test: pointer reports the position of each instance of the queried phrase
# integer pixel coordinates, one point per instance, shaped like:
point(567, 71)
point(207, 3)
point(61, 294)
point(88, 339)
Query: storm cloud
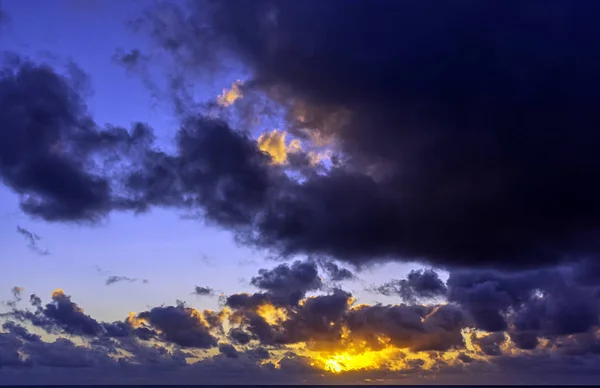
point(452, 126)
point(454, 148)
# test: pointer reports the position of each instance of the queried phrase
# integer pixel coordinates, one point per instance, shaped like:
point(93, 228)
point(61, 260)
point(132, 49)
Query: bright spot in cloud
point(229, 96)
point(273, 143)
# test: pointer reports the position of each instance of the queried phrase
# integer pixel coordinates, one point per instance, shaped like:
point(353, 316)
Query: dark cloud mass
point(466, 133)
point(419, 284)
point(452, 129)
point(180, 325)
point(288, 284)
point(49, 144)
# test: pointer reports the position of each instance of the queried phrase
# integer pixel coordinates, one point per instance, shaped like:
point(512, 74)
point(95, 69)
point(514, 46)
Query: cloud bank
point(486, 323)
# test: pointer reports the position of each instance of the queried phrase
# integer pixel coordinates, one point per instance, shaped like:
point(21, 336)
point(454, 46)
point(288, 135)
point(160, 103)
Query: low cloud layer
point(484, 323)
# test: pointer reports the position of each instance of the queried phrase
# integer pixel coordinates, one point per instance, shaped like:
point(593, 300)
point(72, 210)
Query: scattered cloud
point(33, 240)
point(116, 279)
point(113, 279)
point(17, 292)
point(203, 291)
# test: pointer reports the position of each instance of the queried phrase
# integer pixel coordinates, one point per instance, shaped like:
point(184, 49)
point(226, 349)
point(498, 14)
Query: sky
point(299, 192)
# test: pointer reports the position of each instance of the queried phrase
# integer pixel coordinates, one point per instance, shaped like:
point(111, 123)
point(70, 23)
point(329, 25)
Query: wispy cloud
point(33, 241)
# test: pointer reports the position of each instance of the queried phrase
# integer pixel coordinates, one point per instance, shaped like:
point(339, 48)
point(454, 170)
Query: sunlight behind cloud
point(274, 144)
point(271, 314)
point(229, 96)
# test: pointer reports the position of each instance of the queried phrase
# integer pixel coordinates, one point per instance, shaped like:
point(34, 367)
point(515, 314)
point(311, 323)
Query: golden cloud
point(229, 96)
point(274, 144)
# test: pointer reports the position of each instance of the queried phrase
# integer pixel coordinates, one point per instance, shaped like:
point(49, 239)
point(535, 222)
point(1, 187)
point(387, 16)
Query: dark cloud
point(456, 147)
point(490, 345)
point(336, 273)
point(116, 279)
point(321, 320)
point(228, 350)
point(258, 353)
point(528, 306)
point(50, 147)
point(180, 325)
point(493, 177)
point(20, 332)
point(419, 284)
point(533, 304)
point(203, 291)
point(35, 301)
point(64, 315)
point(211, 172)
point(288, 284)
point(9, 351)
point(59, 316)
point(415, 327)
point(64, 353)
point(248, 301)
point(239, 336)
point(33, 240)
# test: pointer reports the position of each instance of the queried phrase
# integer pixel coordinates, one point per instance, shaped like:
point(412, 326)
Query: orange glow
point(338, 362)
point(271, 314)
point(353, 354)
point(229, 96)
point(134, 321)
point(58, 292)
point(273, 143)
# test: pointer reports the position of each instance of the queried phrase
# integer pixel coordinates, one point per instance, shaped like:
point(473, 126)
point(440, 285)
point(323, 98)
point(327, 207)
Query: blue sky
point(172, 253)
